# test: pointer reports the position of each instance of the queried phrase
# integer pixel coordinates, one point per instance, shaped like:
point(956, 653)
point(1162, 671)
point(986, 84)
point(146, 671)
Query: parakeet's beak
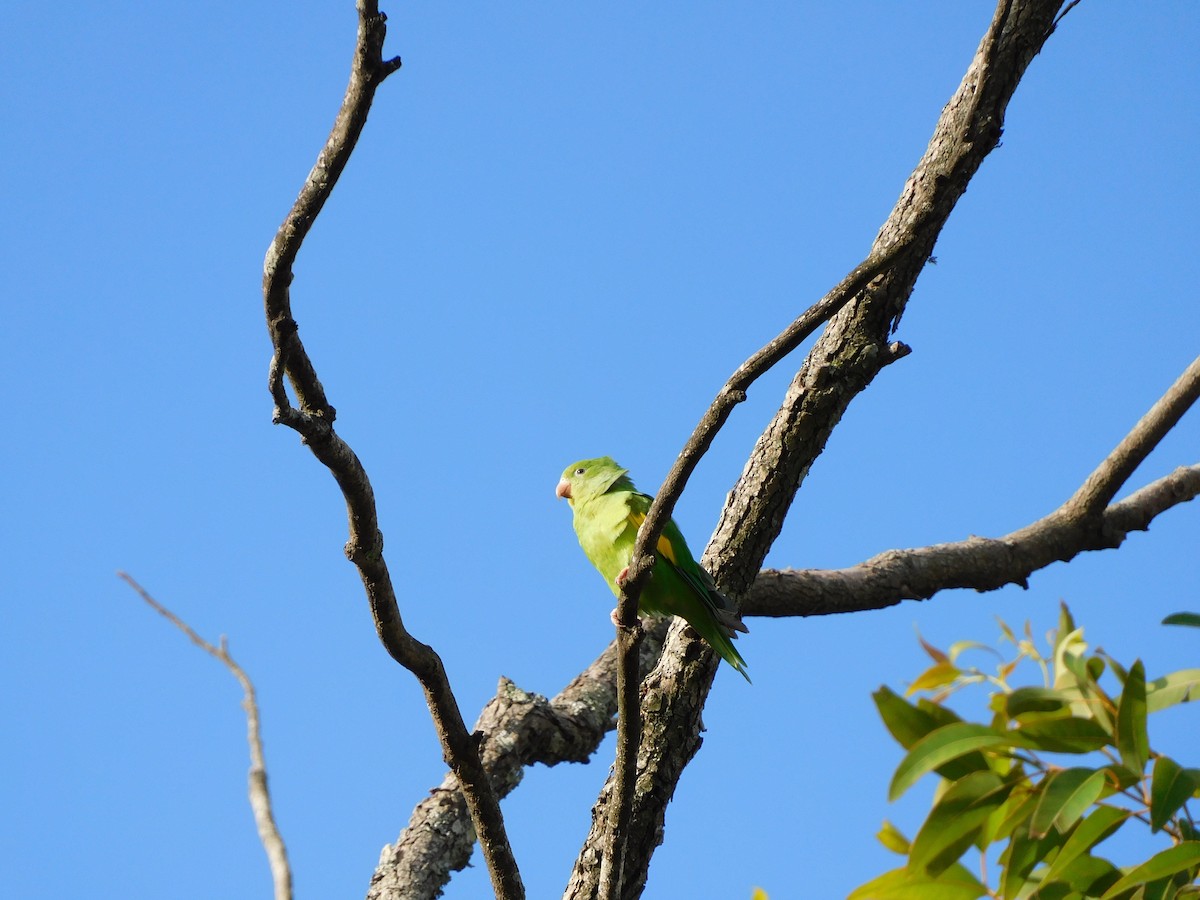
point(563, 490)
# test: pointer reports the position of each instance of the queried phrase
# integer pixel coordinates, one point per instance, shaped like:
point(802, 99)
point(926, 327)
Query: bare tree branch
point(313, 420)
point(987, 564)
point(984, 564)
point(519, 729)
point(1110, 476)
point(853, 349)
point(628, 632)
point(731, 394)
point(260, 797)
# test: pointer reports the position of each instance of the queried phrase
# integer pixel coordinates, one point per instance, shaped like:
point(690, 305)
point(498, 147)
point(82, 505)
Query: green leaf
point(905, 722)
point(1066, 626)
point(955, 820)
point(1069, 650)
point(1183, 618)
point(1067, 735)
point(899, 884)
point(1087, 876)
point(1178, 687)
point(908, 724)
point(1019, 858)
point(1121, 778)
point(1034, 700)
point(1180, 858)
point(1163, 889)
point(1170, 787)
point(1132, 741)
point(892, 838)
point(1065, 795)
point(941, 746)
point(1099, 824)
point(1015, 812)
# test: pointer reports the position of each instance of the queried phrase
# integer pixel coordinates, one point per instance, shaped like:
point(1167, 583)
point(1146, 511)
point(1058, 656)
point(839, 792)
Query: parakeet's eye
point(581, 470)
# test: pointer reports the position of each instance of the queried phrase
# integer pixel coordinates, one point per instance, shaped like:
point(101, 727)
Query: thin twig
point(1066, 9)
point(1110, 476)
point(260, 797)
point(629, 735)
point(313, 416)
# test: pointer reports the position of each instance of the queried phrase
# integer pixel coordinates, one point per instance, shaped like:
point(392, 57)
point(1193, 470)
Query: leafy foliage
point(1002, 798)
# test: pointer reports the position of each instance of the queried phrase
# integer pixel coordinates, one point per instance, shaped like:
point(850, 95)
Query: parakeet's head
point(589, 478)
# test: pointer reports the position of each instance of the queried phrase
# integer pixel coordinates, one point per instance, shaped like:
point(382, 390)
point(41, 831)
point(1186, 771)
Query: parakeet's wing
point(673, 549)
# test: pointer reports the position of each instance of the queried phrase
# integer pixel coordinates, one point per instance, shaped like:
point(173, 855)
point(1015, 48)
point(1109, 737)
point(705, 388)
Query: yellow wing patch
point(665, 548)
point(664, 545)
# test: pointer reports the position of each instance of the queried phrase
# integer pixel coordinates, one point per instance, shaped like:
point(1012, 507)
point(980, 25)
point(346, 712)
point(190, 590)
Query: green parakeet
point(608, 512)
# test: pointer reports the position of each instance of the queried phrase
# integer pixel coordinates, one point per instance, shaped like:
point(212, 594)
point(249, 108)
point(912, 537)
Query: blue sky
point(564, 227)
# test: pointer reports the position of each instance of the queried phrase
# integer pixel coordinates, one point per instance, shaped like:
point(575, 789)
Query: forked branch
point(628, 633)
point(986, 564)
point(313, 418)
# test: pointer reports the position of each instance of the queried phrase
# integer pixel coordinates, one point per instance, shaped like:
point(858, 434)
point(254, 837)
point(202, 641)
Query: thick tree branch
point(983, 564)
point(718, 412)
point(731, 394)
point(313, 419)
point(852, 350)
point(986, 564)
point(519, 729)
point(260, 797)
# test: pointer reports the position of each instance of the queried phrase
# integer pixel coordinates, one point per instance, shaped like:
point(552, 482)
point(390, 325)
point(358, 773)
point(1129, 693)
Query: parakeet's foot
point(638, 624)
point(622, 576)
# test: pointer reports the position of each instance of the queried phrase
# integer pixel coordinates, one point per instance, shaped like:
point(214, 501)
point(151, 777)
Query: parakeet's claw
point(637, 623)
point(622, 577)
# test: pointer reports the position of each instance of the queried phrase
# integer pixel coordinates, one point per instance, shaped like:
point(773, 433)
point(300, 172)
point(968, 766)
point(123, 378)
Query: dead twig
point(260, 797)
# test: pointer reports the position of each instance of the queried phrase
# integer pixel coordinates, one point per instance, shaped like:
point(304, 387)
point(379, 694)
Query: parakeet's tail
point(729, 653)
point(716, 637)
point(726, 623)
